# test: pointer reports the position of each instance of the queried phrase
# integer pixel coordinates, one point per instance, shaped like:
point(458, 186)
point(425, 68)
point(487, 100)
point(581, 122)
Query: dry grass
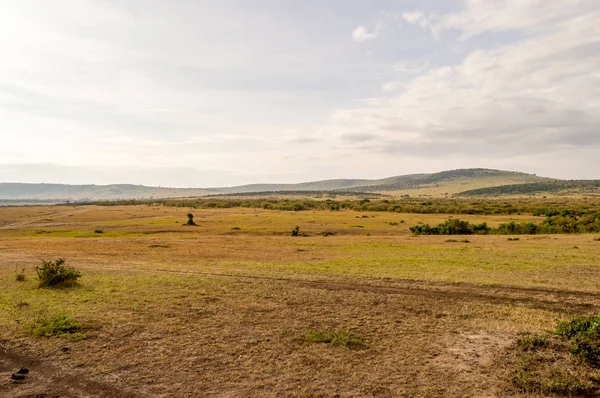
point(232, 307)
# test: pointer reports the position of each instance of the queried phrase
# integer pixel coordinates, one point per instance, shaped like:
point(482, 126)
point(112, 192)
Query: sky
point(199, 93)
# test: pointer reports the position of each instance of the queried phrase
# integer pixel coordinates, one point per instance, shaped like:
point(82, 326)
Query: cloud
point(503, 15)
point(361, 34)
point(479, 16)
point(413, 17)
point(531, 97)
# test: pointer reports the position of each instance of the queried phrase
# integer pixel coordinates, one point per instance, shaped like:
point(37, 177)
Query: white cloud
point(537, 95)
point(479, 16)
point(500, 15)
point(413, 17)
point(361, 34)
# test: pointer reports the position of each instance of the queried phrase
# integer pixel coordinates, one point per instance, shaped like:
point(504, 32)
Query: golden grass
point(232, 306)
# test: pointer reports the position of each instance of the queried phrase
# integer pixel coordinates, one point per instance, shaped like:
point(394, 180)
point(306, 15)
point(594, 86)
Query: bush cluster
point(551, 225)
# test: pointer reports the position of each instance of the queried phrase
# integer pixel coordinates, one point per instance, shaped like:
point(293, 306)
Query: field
point(234, 306)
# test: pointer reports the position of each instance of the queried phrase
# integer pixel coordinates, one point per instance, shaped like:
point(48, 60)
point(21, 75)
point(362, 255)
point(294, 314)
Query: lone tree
point(190, 221)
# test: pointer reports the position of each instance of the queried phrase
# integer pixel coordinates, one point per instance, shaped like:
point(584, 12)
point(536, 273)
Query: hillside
point(19, 191)
point(555, 187)
point(436, 184)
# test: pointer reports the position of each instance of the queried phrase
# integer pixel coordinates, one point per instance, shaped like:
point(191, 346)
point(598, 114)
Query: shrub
point(583, 334)
point(56, 274)
point(190, 220)
point(98, 231)
point(20, 276)
point(61, 325)
point(342, 338)
point(328, 233)
point(296, 231)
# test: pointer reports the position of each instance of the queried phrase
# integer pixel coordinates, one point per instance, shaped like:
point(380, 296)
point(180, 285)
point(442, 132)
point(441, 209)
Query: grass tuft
point(532, 342)
point(20, 276)
point(61, 325)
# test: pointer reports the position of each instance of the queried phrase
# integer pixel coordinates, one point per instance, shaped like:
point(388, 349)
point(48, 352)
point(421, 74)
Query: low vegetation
point(533, 206)
point(560, 224)
point(564, 361)
point(56, 274)
point(61, 325)
point(225, 299)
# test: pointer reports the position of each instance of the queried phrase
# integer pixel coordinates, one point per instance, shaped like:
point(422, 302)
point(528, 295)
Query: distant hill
point(19, 191)
point(555, 187)
point(460, 177)
point(435, 184)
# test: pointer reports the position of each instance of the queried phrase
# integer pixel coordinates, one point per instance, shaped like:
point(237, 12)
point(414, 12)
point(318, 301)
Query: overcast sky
point(219, 93)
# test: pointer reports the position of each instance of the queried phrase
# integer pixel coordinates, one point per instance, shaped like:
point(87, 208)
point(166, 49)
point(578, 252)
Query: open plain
point(224, 308)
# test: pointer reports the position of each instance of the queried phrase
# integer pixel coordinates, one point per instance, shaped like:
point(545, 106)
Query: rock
point(17, 376)
point(22, 371)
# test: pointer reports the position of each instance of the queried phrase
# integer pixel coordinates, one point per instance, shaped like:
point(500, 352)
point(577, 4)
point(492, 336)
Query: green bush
point(583, 334)
point(56, 274)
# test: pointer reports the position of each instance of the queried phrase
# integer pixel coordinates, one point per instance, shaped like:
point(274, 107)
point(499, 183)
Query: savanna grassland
point(354, 306)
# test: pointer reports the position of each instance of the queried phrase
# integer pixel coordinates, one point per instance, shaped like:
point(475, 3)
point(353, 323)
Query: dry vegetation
point(237, 307)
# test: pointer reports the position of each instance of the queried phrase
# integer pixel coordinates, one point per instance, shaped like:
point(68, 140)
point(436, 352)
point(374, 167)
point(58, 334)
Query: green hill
point(435, 184)
point(555, 187)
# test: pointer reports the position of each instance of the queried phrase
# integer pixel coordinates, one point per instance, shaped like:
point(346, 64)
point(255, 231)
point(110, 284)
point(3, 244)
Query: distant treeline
point(560, 224)
point(317, 194)
point(536, 188)
point(536, 207)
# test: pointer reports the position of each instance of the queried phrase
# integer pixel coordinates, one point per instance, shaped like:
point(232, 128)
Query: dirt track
point(47, 379)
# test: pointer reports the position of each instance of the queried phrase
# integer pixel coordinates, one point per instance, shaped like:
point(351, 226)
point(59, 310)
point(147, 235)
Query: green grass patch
point(61, 325)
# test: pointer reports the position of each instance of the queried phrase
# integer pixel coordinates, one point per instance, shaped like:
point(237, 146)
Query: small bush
point(513, 239)
point(98, 231)
point(20, 276)
point(61, 325)
point(190, 220)
point(342, 338)
point(236, 229)
point(583, 325)
point(328, 233)
point(583, 334)
point(56, 274)
point(296, 231)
